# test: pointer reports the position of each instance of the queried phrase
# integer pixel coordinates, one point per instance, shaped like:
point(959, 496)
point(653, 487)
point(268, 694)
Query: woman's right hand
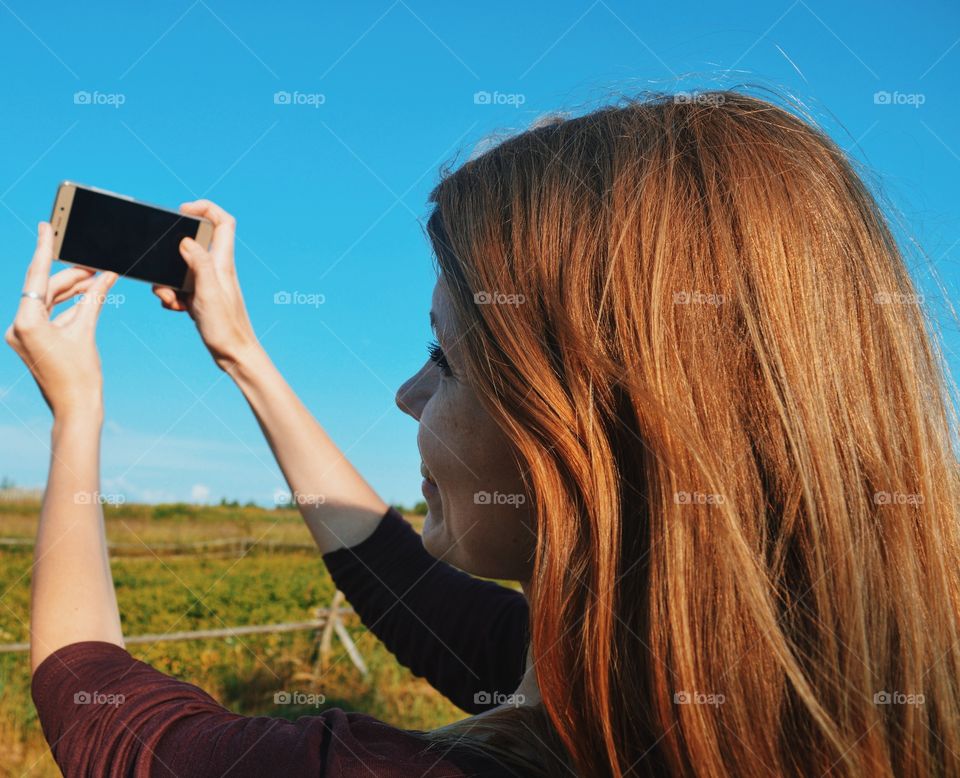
point(340, 508)
point(215, 304)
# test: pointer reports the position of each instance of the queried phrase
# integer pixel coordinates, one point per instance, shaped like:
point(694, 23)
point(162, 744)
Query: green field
point(183, 589)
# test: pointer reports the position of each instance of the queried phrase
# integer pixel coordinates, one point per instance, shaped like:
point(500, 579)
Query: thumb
point(95, 296)
point(198, 259)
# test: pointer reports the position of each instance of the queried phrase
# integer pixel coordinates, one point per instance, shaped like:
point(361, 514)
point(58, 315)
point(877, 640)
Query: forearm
point(339, 507)
point(72, 593)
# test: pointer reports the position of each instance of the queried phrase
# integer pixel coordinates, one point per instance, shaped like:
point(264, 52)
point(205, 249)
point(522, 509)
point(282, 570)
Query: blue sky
point(329, 188)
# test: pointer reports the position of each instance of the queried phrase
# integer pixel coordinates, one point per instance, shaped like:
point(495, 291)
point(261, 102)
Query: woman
point(681, 392)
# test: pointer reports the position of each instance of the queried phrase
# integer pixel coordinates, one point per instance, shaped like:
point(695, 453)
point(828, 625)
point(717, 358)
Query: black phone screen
point(132, 239)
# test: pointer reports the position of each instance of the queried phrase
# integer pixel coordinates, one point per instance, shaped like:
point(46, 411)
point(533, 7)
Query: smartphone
point(102, 230)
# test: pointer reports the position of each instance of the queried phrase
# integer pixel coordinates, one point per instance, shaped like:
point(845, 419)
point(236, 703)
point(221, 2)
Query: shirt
point(105, 713)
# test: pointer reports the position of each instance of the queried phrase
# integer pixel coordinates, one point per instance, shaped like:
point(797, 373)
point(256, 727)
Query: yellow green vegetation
point(270, 576)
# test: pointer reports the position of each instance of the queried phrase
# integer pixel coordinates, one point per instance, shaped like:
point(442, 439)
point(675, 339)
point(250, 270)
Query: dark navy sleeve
point(468, 637)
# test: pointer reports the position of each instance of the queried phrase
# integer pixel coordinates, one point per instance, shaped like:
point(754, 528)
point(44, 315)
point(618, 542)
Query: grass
point(192, 592)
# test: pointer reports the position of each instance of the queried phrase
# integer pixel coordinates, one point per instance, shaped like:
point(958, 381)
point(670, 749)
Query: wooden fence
point(329, 621)
point(237, 546)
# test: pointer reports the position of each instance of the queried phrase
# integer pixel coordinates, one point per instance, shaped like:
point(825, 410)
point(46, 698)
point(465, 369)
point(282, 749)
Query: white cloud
point(199, 493)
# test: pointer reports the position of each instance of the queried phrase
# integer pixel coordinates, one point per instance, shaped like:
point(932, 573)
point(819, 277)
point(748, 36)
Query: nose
point(414, 393)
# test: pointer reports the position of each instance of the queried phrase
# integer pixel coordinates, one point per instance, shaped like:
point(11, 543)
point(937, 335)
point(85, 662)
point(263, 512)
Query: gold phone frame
point(60, 218)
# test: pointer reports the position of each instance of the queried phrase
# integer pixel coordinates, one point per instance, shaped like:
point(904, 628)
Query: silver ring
point(33, 295)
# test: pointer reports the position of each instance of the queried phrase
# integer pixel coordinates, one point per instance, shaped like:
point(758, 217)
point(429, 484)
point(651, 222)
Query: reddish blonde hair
point(736, 430)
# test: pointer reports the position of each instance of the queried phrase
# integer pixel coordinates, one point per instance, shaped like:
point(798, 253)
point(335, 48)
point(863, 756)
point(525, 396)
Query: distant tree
point(173, 510)
point(7, 483)
point(419, 509)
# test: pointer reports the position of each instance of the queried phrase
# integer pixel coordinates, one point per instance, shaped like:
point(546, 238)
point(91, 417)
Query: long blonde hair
point(697, 329)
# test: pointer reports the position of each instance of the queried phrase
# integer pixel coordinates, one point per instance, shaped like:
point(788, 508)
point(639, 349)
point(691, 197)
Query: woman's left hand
point(61, 352)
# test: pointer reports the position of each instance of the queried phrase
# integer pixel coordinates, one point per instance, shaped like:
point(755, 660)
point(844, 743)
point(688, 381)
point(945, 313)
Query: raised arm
point(339, 507)
point(465, 635)
point(468, 637)
point(72, 596)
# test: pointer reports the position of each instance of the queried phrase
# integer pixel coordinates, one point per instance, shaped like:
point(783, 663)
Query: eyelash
point(437, 355)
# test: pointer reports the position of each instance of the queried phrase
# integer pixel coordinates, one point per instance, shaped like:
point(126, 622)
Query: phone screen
point(129, 238)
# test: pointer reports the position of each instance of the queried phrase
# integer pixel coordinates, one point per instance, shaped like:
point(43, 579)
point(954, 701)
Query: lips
point(426, 473)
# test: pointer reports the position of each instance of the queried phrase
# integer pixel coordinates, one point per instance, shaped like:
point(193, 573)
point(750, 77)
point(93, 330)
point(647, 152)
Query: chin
point(437, 540)
point(434, 535)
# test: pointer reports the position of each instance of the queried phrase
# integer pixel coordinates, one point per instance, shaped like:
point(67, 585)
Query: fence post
point(333, 624)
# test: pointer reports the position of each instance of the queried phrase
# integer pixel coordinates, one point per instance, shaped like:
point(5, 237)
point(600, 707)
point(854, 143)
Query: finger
point(79, 287)
point(65, 317)
point(198, 259)
point(168, 298)
point(91, 303)
point(224, 225)
point(207, 209)
point(64, 280)
point(38, 275)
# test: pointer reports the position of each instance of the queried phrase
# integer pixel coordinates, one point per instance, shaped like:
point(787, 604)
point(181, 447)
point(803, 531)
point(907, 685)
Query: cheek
point(447, 441)
point(493, 541)
point(480, 520)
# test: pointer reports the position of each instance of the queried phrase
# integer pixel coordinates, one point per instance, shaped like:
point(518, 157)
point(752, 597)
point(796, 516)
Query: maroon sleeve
point(105, 713)
point(467, 636)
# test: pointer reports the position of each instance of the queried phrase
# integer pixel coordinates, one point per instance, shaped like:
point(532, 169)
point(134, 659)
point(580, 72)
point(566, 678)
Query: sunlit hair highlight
point(735, 426)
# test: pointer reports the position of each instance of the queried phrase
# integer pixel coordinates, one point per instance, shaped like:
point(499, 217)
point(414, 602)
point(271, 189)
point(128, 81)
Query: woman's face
point(479, 516)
